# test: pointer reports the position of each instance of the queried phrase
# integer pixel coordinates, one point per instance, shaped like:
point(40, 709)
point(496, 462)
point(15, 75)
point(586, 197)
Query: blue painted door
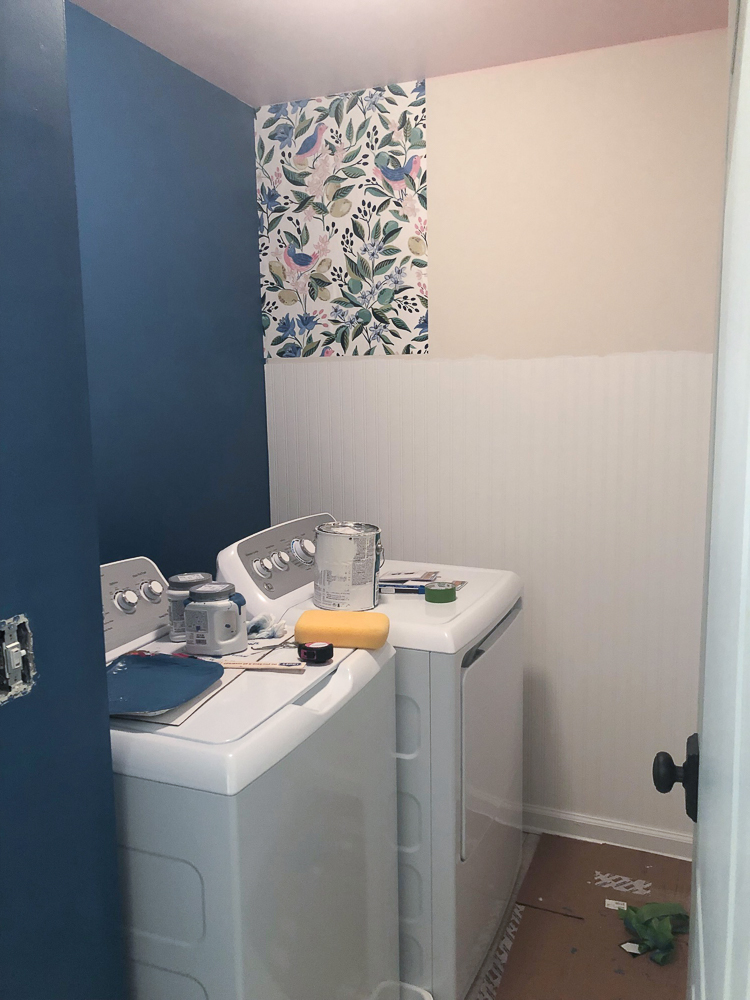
point(59, 906)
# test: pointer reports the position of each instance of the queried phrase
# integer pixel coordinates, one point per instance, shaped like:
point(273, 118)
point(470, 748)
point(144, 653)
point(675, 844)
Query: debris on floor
point(653, 927)
point(576, 900)
point(487, 983)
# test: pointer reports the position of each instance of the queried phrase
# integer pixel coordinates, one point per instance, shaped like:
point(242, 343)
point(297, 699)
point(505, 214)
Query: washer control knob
point(263, 567)
point(280, 560)
point(303, 551)
point(126, 600)
point(152, 591)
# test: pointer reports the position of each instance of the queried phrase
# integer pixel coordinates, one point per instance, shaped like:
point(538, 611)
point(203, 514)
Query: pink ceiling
point(272, 50)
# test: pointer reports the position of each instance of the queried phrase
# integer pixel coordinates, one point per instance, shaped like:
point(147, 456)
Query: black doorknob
point(667, 774)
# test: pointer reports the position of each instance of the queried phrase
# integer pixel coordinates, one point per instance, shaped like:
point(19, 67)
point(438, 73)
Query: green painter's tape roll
point(439, 593)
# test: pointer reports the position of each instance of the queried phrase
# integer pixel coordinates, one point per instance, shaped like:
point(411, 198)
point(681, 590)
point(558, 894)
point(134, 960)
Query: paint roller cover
point(348, 629)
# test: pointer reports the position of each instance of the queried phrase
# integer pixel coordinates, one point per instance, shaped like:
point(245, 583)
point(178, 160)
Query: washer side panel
point(414, 807)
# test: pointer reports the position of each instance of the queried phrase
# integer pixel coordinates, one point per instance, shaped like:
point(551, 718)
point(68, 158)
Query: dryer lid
point(486, 599)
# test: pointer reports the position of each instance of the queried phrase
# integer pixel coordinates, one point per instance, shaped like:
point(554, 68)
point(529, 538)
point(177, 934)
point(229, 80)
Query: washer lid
point(238, 707)
point(244, 729)
point(487, 598)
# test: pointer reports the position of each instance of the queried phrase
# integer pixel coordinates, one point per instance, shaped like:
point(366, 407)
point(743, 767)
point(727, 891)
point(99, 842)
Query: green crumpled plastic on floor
point(654, 926)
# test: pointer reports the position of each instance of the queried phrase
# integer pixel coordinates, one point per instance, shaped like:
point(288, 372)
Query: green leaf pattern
point(342, 205)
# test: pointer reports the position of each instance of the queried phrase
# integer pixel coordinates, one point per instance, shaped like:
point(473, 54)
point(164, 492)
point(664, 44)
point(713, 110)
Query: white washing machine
point(459, 696)
point(256, 824)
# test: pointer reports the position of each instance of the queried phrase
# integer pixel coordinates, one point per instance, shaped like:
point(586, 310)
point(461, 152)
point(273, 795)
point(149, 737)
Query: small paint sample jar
point(215, 621)
point(178, 593)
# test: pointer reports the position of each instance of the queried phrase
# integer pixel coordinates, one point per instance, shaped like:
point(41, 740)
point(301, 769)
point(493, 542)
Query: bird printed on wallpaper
point(396, 176)
point(311, 145)
point(298, 261)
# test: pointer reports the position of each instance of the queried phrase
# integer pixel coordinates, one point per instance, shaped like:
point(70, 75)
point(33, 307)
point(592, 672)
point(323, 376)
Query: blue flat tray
point(156, 683)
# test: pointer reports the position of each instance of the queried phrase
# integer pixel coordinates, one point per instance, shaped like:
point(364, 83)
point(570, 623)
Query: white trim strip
point(598, 829)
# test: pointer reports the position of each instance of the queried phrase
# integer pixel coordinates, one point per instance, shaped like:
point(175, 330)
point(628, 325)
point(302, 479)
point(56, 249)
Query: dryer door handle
point(492, 637)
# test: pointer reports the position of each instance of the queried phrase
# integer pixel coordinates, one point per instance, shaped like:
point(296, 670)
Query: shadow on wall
point(541, 717)
point(169, 250)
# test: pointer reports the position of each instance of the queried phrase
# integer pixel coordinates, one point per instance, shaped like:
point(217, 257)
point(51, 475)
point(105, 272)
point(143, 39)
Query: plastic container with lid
point(215, 622)
point(178, 593)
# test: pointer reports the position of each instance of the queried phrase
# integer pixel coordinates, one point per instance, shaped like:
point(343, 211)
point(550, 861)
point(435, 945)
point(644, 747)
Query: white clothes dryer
point(459, 698)
point(256, 824)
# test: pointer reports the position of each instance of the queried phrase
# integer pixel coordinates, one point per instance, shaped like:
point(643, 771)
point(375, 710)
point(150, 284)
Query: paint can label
point(346, 568)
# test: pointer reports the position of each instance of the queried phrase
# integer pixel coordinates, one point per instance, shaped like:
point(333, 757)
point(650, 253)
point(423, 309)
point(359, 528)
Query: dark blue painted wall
point(165, 173)
point(59, 905)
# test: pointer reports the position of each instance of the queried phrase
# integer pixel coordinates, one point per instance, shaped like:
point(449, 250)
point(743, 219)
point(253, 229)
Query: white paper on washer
point(253, 643)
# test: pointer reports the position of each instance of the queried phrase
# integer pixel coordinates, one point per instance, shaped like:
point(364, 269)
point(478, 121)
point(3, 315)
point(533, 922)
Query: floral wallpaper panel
point(342, 199)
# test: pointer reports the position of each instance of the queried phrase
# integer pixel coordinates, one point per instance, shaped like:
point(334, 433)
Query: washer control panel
point(134, 600)
point(281, 558)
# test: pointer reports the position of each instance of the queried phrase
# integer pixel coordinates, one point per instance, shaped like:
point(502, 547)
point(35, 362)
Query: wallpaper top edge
point(485, 358)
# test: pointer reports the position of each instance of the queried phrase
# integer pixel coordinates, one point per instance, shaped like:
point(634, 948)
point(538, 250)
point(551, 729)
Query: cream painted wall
point(575, 209)
point(588, 477)
point(575, 202)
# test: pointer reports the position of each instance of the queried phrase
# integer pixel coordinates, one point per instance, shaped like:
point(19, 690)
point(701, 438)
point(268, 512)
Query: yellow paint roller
point(348, 629)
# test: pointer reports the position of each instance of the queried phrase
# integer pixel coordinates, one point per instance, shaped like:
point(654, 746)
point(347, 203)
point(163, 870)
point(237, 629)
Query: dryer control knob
point(280, 560)
point(126, 600)
point(303, 551)
point(263, 567)
point(152, 590)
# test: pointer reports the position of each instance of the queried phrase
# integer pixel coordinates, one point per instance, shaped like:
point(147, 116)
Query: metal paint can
point(348, 557)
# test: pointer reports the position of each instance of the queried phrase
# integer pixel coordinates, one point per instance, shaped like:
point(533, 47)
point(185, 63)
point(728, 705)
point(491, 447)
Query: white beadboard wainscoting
point(585, 475)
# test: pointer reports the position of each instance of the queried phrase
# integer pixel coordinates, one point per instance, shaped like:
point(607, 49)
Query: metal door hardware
point(17, 669)
point(666, 774)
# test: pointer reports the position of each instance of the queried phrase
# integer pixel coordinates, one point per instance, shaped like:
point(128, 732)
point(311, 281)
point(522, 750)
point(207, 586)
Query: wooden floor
point(562, 941)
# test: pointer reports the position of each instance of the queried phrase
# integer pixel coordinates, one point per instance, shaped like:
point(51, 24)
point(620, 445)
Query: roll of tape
point(440, 592)
point(315, 652)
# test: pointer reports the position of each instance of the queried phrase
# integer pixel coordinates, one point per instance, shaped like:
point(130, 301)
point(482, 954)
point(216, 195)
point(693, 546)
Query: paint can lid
point(182, 582)
point(439, 592)
point(348, 528)
point(211, 591)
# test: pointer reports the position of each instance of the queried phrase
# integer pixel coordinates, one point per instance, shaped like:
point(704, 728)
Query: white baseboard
point(539, 819)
